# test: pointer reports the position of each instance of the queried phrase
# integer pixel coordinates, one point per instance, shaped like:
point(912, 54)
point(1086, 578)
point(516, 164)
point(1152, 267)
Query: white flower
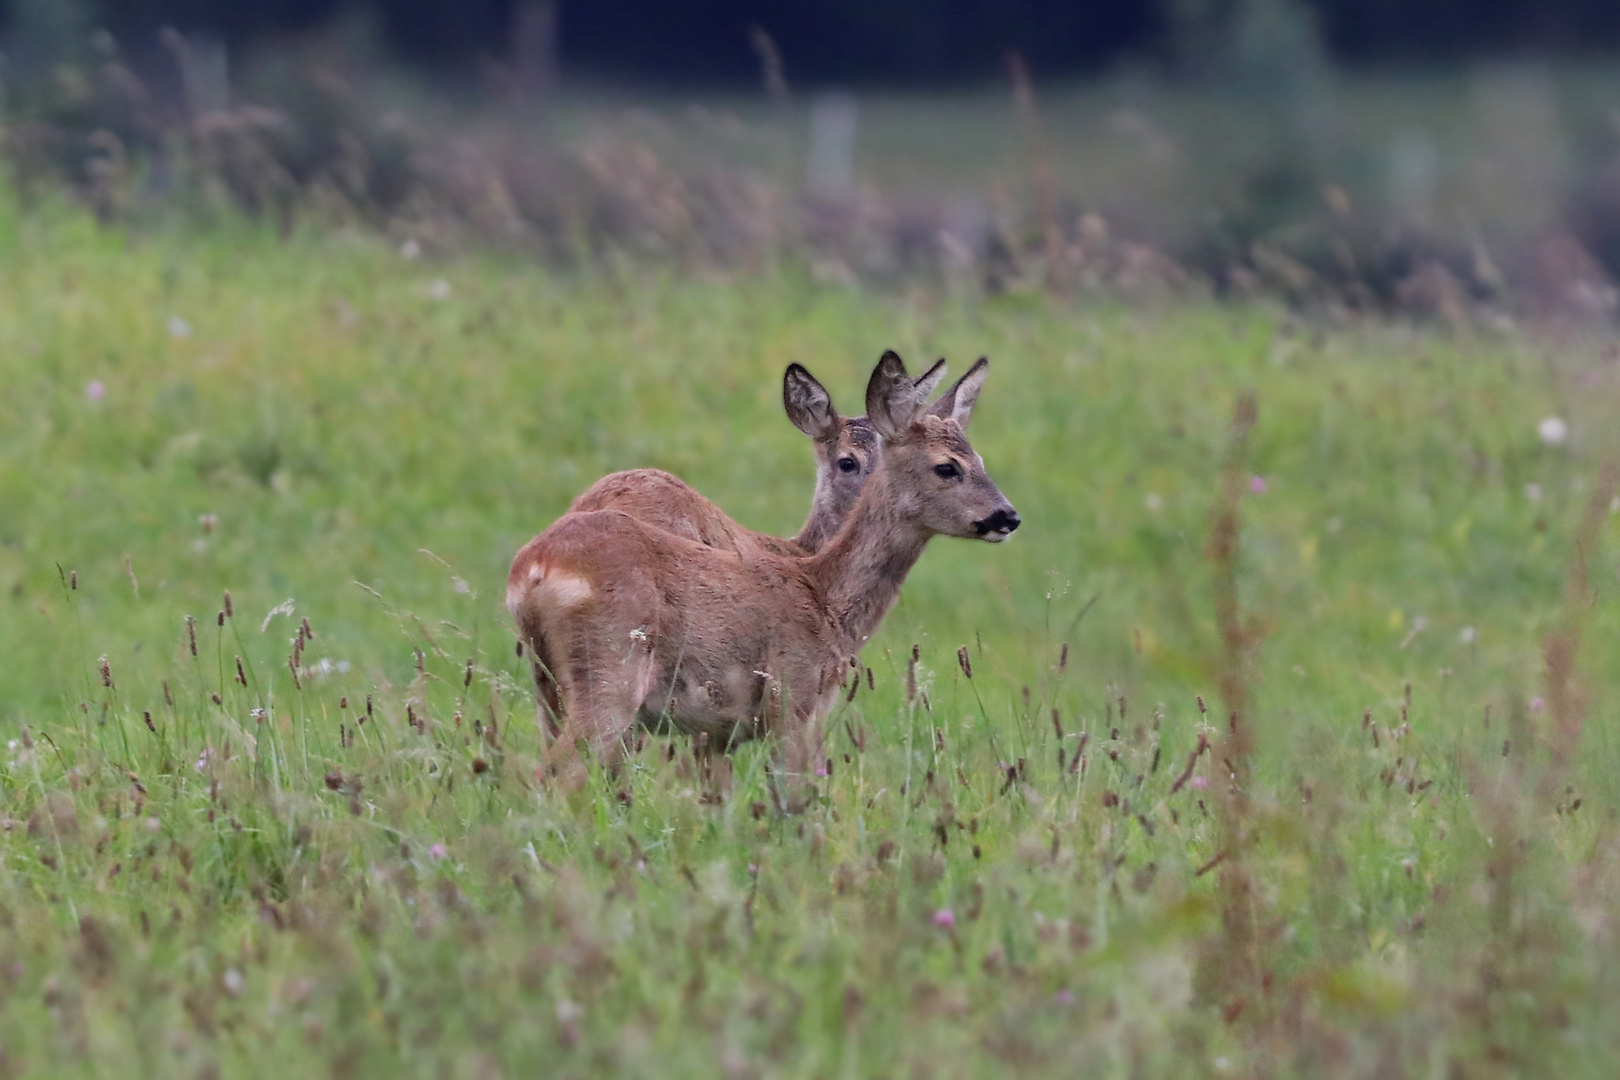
point(1154, 501)
point(409, 250)
point(1468, 636)
point(1553, 431)
point(178, 327)
point(439, 289)
point(1532, 492)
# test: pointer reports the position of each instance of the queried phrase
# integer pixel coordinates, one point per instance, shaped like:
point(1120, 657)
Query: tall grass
point(314, 839)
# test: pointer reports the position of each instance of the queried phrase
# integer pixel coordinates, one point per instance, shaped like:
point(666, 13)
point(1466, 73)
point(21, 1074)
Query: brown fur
point(633, 623)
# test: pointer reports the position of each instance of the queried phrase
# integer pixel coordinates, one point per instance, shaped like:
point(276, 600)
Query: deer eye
point(947, 470)
point(848, 465)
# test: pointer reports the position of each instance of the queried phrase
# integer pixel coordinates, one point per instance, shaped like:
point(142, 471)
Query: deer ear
point(891, 398)
point(957, 402)
point(808, 404)
point(928, 380)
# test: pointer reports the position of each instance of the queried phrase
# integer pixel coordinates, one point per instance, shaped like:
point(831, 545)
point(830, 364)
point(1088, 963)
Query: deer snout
point(998, 526)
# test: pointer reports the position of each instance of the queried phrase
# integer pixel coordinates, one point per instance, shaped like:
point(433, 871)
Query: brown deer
point(630, 623)
point(846, 449)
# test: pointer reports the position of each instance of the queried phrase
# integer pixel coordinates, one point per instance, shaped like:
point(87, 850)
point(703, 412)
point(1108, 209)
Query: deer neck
point(820, 526)
point(860, 571)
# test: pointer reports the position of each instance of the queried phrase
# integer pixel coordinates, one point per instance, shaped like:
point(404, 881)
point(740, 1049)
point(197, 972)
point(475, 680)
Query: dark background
point(871, 42)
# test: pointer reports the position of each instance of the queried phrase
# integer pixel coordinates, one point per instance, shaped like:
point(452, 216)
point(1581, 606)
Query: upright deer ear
point(957, 402)
point(808, 404)
point(929, 379)
point(892, 401)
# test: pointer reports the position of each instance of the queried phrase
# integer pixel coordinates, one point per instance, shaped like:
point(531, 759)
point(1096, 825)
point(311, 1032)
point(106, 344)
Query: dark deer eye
point(947, 470)
point(848, 464)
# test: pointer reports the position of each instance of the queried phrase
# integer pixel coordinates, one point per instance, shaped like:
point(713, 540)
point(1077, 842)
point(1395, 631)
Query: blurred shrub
point(297, 138)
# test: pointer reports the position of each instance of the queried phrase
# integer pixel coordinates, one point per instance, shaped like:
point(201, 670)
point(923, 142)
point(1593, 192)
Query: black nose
point(1000, 521)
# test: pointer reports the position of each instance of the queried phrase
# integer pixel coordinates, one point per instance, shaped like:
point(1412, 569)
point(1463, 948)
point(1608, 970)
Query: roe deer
point(846, 450)
point(630, 623)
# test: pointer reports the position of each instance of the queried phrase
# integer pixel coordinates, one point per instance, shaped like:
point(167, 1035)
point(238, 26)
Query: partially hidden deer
point(846, 449)
point(632, 624)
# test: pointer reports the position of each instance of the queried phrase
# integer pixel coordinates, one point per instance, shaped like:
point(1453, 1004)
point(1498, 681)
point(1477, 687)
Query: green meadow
point(232, 849)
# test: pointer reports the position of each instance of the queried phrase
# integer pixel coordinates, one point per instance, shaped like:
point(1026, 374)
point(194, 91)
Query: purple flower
point(436, 851)
point(96, 390)
point(944, 918)
point(1536, 704)
point(1200, 782)
point(1257, 484)
point(1064, 996)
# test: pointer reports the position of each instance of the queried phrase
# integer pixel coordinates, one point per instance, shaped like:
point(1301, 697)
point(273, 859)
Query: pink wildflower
point(944, 918)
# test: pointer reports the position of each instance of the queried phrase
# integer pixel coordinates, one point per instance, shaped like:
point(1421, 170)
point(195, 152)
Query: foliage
point(334, 854)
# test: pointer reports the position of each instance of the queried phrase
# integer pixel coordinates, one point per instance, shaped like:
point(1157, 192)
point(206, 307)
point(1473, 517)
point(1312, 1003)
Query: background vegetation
point(345, 862)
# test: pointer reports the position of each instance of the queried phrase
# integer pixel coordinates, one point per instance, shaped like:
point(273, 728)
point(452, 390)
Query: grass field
point(218, 863)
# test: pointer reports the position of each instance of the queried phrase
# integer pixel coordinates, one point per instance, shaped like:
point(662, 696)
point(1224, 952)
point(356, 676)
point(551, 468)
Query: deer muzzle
point(998, 526)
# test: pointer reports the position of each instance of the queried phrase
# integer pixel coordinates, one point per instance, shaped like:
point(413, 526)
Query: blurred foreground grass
point(350, 868)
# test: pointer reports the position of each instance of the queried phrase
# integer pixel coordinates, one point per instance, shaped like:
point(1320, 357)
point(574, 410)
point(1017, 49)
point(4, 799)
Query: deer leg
point(799, 759)
point(608, 676)
point(548, 703)
point(713, 768)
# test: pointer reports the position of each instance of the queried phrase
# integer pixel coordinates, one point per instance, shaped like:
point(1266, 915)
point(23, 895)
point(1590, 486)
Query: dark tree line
point(869, 41)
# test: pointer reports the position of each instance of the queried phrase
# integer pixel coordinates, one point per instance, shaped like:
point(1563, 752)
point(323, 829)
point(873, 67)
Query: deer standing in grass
point(630, 623)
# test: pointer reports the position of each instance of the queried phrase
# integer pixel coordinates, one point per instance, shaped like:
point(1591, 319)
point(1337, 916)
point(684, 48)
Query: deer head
point(936, 481)
point(846, 450)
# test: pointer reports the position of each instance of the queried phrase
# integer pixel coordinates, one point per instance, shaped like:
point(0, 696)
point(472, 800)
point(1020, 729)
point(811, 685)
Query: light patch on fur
point(566, 590)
